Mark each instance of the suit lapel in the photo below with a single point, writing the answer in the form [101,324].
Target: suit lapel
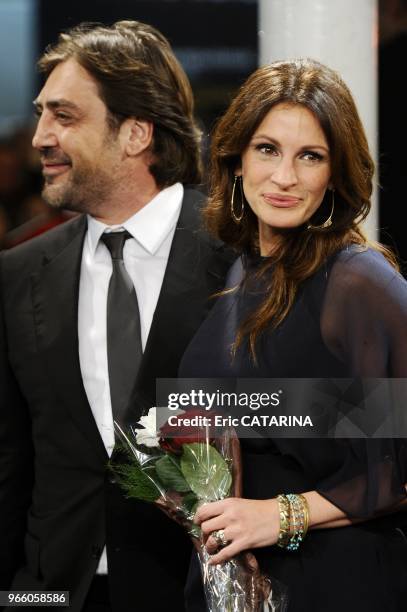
[195,271]
[55,296]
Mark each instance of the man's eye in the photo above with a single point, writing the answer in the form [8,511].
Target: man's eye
[63,116]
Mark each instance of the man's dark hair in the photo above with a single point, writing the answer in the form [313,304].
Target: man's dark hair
[138,76]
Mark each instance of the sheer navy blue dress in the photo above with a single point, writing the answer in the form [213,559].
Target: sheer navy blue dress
[349,320]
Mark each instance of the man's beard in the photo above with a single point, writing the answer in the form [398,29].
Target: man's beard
[84,190]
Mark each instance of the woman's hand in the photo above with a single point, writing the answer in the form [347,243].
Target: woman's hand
[247,523]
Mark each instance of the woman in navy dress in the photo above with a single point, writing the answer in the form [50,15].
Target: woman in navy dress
[308,297]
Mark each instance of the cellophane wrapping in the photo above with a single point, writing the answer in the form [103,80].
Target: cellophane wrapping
[179,471]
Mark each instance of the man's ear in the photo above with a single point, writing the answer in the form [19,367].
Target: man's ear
[136,136]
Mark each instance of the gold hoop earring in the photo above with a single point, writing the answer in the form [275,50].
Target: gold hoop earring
[328,222]
[237,218]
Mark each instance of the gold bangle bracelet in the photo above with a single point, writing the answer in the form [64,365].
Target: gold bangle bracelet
[284,512]
[306,514]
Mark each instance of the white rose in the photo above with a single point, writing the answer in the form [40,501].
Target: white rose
[148,436]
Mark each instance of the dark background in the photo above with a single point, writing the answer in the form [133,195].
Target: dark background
[216,41]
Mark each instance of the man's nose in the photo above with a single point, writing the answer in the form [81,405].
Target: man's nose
[44,135]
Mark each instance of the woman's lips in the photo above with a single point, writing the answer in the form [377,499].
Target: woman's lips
[280,201]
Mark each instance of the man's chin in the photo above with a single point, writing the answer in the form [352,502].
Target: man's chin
[57,198]
[53,198]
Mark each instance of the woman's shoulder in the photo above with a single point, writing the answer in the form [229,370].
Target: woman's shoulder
[358,267]
[364,313]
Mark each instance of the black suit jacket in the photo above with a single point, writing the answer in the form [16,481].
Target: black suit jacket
[59,505]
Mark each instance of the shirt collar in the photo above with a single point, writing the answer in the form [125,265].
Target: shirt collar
[150,225]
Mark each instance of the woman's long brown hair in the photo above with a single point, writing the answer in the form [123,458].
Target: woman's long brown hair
[300,252]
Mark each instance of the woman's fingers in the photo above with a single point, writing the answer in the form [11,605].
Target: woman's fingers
[208,511]
[212,525]
[226,553]
[214,541]
[245,523]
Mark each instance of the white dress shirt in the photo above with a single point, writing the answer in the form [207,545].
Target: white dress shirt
[145,258]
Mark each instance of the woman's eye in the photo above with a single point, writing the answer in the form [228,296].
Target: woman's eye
[266,148]
[312,156]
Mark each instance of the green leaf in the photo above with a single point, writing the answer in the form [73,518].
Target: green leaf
[205,471]
[137,483]
[190,503]
[169,472]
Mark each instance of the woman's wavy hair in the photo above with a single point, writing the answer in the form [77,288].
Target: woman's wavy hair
[139,76]
[300,251]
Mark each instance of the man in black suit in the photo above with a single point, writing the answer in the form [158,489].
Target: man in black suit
[118,143]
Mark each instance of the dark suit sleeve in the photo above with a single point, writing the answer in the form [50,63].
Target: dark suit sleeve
[16,459]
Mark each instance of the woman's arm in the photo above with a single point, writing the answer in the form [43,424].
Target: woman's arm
[250,523]
[324,514]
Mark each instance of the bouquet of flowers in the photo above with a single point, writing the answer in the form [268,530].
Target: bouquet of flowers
[180,470]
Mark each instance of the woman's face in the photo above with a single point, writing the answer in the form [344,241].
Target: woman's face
[285,170]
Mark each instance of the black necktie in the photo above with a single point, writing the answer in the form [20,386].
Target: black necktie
[124,349]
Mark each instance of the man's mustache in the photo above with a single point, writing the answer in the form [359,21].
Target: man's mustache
[52,156]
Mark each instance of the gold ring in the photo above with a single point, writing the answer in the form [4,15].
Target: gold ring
[219,536]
